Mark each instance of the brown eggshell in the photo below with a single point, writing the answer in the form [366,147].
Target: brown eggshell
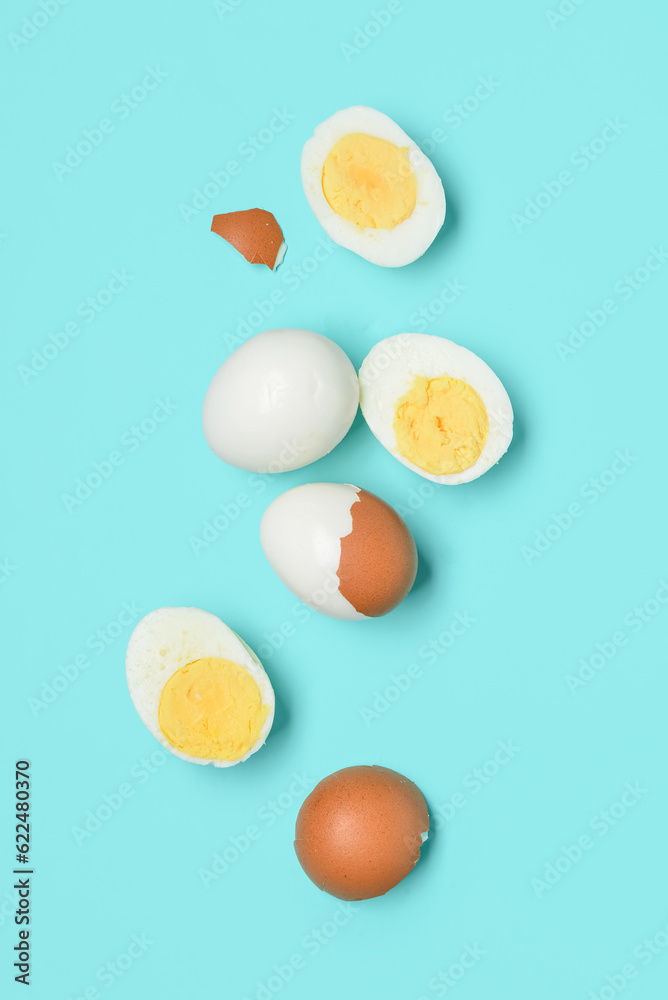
[378,558]
[360,830]
[255,233]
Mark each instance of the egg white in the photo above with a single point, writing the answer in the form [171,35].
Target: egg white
[301,534]
[169,638]
[388,372]
[283,399]
[386,247]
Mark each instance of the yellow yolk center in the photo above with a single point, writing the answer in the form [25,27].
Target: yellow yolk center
[441,425]
[212,708]
[369,181]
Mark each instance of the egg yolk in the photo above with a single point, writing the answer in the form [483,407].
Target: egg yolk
[369,181]
[212,708]
[441,425]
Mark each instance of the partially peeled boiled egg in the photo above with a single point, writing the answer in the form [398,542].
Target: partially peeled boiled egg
[198,688]
[372,188]
[436,406]
[340,549]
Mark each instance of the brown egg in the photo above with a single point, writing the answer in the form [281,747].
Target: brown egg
[378,558]
[360,831]
[255,233]
[340,549]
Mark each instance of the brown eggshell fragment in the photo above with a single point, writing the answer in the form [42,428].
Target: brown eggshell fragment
[378,558]
[360,831]
[254,233]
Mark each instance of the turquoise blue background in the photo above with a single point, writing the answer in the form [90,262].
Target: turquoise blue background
[555,82]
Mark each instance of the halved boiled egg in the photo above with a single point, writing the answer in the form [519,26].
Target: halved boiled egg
[372,188]
[198,688]
[435,406]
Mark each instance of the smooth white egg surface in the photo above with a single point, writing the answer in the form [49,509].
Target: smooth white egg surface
[282,400]
[198,687]
[301,534]
[436,406]
[372,188]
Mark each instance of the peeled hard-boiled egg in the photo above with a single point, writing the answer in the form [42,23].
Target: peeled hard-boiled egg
[282,400]
[198,688]
[372,188]
[339,549]
[360,831]
[435,406]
